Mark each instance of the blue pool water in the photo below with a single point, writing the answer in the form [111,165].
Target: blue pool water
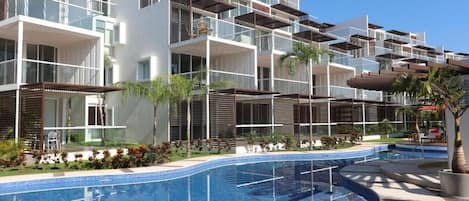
[276,180]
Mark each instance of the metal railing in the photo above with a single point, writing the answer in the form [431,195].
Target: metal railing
[208,26]
[35,71]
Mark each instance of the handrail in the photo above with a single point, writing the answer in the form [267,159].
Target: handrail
[59,64]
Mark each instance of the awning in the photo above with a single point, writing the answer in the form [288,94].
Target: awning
[314,24]
[289,10]
[415,60]
[390,56]
[214,6]
[396,32]
[374,26]
[345,46]
[302,96]
[250,92]
[315,36]
[396,41]
[259,19]
[363,37]
[423,47]
[71,87]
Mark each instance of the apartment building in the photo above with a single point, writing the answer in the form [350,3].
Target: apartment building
[52,71]
[240,42]
[59,48]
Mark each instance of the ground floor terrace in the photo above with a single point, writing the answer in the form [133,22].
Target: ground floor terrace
[51,116]
[240,114]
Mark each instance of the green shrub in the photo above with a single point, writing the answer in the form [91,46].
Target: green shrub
[11,154]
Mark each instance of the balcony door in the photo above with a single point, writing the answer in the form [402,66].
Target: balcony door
[40,67]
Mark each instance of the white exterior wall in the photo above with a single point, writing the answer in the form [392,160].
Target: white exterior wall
[147,37]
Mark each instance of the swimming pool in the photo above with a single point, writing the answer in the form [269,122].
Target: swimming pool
[256,178]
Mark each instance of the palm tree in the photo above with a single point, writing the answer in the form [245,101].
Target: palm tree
[446,87]
[413,88]
[181,90]
[155,91]
[307,55]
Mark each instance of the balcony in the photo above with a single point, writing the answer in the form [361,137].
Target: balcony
[370,95]
[35,71]
[286,86]
[351,32]
[339,92]
[77,15]
[229,79]
[208,26]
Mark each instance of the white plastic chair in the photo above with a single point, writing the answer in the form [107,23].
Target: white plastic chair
[52,138]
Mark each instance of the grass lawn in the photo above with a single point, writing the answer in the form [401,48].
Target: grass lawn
[390,140]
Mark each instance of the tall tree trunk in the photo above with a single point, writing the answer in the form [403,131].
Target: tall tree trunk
[188,129]
[309,68]
[101,117]
[458,163]
[155,124]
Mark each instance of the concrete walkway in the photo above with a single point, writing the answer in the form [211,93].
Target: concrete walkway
[162,167]
[399,180]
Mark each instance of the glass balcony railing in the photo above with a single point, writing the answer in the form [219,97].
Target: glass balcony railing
[290,86]
[348,31]
[225,78]
[207,26]
[363,64]
[74,13]
[281,43]
[8,72]
[335,91]
[35,71]
[405,39]
[371,95]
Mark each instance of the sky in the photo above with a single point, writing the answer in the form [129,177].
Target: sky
[446,22]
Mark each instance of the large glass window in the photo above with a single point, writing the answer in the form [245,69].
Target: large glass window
[143,70]
[94,116]
[40,70]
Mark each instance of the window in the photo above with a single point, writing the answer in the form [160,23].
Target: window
[109,78]
[143,70]
[145,3]
[94,116]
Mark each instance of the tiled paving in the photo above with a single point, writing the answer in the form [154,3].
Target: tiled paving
[398,180]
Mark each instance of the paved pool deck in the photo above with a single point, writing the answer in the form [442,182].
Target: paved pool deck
[400,180]
[164,167]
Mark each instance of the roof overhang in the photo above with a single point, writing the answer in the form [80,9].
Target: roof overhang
[390,56]
[396,32]
[71,87]
[396,41]
[315,36]
[289,10]
[374,26]
[345,46]
[214,6]
[362,37]
[423,47]
[259,19]
[250,92]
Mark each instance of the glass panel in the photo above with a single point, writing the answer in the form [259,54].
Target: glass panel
[174,25]
[185,25]
[52,11]
[36,8]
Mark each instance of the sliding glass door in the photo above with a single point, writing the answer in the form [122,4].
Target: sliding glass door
[42,68]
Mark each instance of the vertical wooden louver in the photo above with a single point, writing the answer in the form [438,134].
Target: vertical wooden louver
[7,114]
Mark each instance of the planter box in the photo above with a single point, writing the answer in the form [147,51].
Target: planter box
[454,184]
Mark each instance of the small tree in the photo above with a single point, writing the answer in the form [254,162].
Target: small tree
[181,90]
[154,91]
[446,87]
[306,55]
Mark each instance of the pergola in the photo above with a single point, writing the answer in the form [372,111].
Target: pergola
[32,106]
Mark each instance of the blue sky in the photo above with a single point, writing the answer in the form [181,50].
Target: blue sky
[446,22]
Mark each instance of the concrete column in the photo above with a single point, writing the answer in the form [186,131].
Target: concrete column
[19,75]
[207,96]
[329,129]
